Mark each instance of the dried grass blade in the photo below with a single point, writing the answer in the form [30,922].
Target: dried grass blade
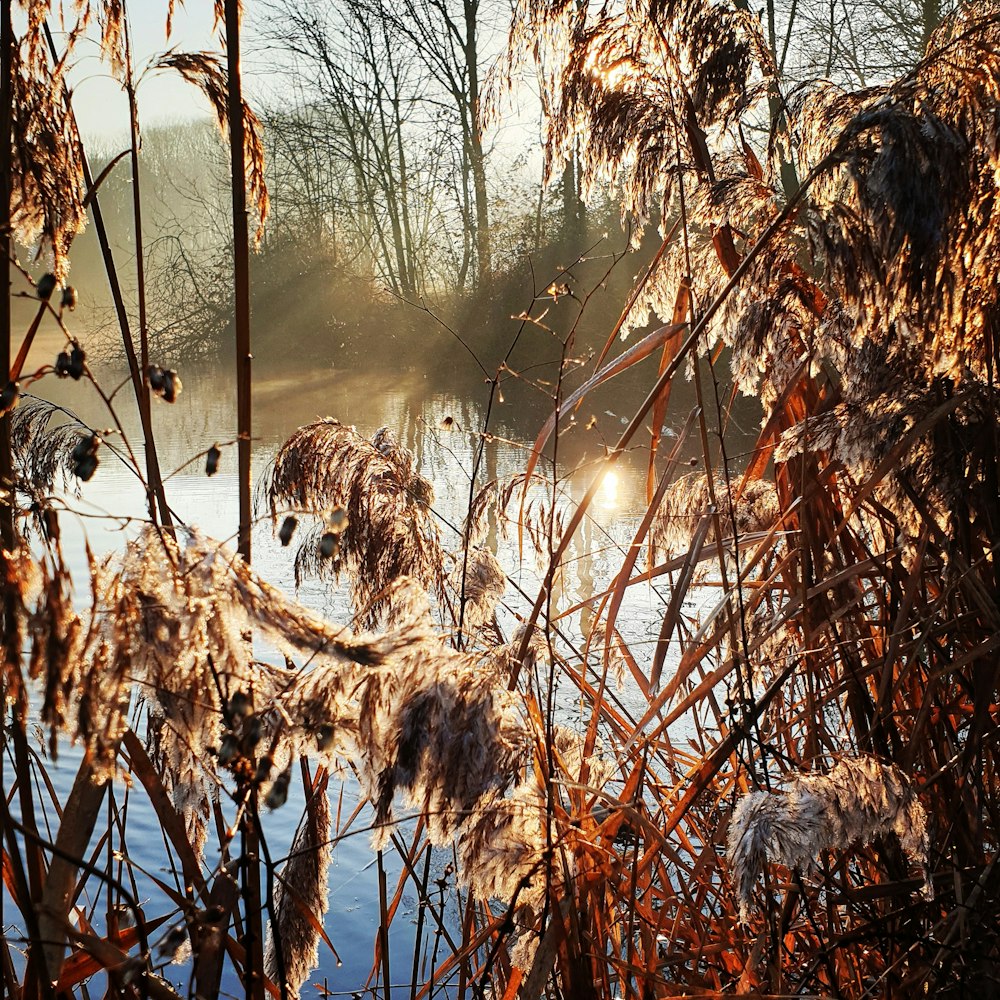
[79,819]
[307,914]
[913,582]
[617,720]
[703,774]
[768,436]
[95,183]
[10,985]
[545,959]
[29,338]
[10,881]
[677,599]
[82,964]
[238,955]
[210,953]
[890,463]
[513,984]
[635,293]
[461,954]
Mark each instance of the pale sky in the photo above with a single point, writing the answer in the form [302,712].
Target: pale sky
[100,103]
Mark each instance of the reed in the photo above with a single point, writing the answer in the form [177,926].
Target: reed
[806,802]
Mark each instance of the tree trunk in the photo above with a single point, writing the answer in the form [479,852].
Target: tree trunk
[930,18]
[477,162]
[574,211]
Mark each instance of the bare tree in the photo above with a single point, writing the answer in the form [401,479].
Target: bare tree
[392,91]
[854,44]
[446,36]
[368,86]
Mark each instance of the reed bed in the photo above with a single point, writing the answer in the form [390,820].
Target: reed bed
[806,802]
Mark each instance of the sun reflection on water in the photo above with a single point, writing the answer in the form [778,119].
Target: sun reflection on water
[609,489]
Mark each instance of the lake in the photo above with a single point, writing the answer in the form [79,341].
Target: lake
[444,430]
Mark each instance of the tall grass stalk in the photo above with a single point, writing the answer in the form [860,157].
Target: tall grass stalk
[241,270]
[6,244]
[155,494]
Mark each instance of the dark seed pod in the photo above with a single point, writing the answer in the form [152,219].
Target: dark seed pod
[213,915]
[130,970]
[172,941]
[239,705]
[277,795]
[77,356]
[84,457]
[336,520]
[329,545]
[46,286]
[264,766]
[288,527]
[171,386]
[212,460]
[228,749]
[9,397]
[87,445]
[84,469]
[165,383]
[252,731]
[69,298]
[124,916]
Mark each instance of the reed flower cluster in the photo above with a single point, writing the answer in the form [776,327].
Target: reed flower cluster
[301,897]
[858,800]
[480,578]
[688,500]
[523,507]
[390,532]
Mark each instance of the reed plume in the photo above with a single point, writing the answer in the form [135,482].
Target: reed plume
[205,70]
[43,437]
[177,622]
[536,516]
[301,896]
[389,532]
[424,723]
[688,500]
[482,581]
[857,801]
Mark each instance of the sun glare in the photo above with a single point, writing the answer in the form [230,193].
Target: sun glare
[609,489]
